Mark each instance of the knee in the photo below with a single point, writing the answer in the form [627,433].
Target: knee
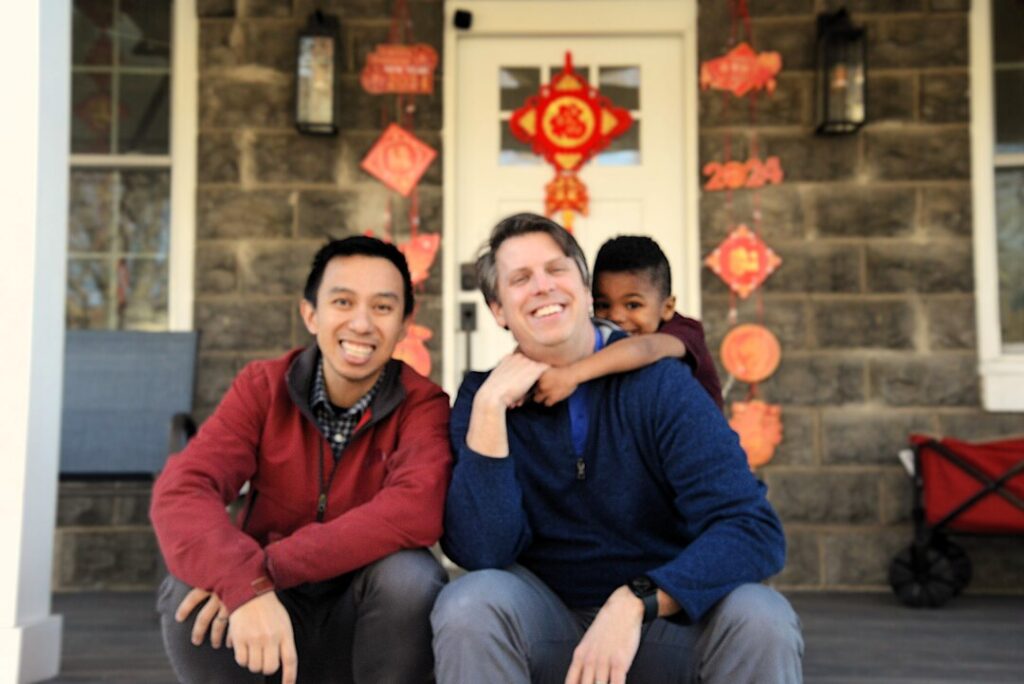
[467,603]
[758,612]
[410,577]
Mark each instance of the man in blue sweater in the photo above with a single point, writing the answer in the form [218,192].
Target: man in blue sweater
[619,531]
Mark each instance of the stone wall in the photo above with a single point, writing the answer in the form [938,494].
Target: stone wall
[873,303]
[268,197]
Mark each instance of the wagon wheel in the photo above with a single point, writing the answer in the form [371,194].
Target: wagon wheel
[957,559]
[928,583]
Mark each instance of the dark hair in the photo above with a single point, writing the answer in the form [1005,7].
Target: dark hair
[635,254]
[514,226]
[358,245]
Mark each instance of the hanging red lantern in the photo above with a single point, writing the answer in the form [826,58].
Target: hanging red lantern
[750,352]
[568,194]
[759,426]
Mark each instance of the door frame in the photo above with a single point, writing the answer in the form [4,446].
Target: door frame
[496,18]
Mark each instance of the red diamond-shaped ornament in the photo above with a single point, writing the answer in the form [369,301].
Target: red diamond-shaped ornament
[743,261]
[398,159]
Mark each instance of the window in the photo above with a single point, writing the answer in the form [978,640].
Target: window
[119,217]
[997,132]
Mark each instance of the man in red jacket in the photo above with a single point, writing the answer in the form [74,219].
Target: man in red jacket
[347,456]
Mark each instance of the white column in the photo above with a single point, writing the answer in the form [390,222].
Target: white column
[35,61]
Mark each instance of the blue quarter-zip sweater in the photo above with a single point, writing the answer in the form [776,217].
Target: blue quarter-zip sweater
[664,489]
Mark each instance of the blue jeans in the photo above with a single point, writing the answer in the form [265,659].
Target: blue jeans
[507,626]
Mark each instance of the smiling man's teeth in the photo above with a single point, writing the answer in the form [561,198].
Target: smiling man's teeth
[547,310]
[356,349]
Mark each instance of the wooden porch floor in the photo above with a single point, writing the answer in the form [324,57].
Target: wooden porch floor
[850,639]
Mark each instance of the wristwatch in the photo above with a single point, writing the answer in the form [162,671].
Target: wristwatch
[644,588]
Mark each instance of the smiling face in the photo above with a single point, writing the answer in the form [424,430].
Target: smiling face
[631,300]
[542,299]
[357,322]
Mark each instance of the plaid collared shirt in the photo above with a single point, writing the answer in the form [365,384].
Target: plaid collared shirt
[337,424]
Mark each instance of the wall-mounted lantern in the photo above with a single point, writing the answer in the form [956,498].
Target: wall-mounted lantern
[316,80]
[842,74]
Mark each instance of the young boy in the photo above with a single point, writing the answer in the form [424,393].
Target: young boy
[632,289]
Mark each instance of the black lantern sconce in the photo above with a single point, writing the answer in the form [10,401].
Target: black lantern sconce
[842,75]
[316,79]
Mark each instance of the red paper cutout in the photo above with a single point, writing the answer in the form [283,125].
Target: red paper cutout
[398,159]
[743,261]
[420,251]
[568,122]
[741,70]
[759,426]
[568,194]
[407,69]
[412,350]
[750,352]
[733,175]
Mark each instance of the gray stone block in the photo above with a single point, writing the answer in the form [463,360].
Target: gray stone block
[215,373]
[264,100]
[799,439]
[773,8]
[294,158]
[227,213]
[946,211]
[782,213]
[946,380]
[807,157]
[216,270]
[859,211]
[981,426]
[945,98]
[793,39]
[951,322]
[805,380]
[790,104]
[267,8]
[924,155]
[998,563]
[803,564]
[864,324]
[824,497]
[115,559]
[870,6]
[277,268]
[362,38]
[713,146]
[869,437]
[918,42]
[816,267]
[329,213]
[244,326]
[890,98]
[344,9]
[219,158]
[360,109]
[272,44]
[220,45]
[908,267]
[84,508]
[950,5]
[786,318]
[103,503]
[897,492]
[861,558]
[206,9]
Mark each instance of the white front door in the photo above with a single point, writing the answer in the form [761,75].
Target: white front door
[639,185]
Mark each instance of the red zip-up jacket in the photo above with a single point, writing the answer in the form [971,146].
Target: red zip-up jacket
[306,519]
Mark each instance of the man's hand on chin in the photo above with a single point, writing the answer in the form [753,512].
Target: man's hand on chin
[606,651]
[260,632]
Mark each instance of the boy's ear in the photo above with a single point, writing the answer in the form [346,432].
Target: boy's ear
[668,308]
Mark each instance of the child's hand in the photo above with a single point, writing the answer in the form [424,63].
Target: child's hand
[554,385]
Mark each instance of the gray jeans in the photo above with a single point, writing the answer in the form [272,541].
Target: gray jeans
[507,626]
[371,627]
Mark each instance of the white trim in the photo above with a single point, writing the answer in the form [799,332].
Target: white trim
[184,146]
[560,17]
[141,161]
[1002,373]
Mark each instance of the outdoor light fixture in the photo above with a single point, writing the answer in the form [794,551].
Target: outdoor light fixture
[842,74]
[316,82]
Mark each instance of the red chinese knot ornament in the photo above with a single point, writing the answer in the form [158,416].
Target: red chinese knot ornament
[743,261]
[741,70]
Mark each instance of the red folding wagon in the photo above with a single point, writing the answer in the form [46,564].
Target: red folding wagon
[961,488]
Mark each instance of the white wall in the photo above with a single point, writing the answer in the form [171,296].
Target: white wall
[35,60]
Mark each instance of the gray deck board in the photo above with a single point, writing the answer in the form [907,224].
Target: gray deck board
[849,639]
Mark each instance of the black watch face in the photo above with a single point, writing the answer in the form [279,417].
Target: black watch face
[642,586]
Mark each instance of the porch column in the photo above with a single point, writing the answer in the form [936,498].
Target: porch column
[35,65]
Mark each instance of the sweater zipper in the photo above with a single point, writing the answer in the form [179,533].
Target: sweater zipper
[321,501]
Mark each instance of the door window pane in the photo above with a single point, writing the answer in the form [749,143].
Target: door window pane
[515,152]
[145,114]
[621,85]
[1009,96]
[1007,20]
[1010,237]
[516,84]
[623,150]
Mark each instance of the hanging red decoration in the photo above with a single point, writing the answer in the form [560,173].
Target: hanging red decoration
[568,194]
[398,68]
[759,426]
[750,352]
[412,350]
[743,261]
[398,159]
[420,252]
[741,70]
[733,175]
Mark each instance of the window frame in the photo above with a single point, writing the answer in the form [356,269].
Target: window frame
[1001,370]
[181,161]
